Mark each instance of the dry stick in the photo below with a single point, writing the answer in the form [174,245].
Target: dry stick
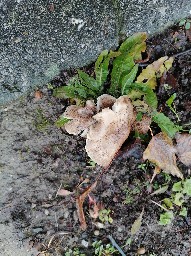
[160,205]
[116,245]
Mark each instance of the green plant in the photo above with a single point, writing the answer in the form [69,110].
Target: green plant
[186,23]
[103,250]
[74,252]
[181,192]
[104,216]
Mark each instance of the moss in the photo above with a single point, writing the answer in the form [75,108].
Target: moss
[41,122]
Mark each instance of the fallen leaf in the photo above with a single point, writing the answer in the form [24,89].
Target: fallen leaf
[183,148]
[137,224]
[64,192]
[111,128]
[79,205]
[154,71]
[161,152]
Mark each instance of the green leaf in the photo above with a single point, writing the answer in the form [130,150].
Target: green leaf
[178,199]
[187,25]
[177,187]
[166,125]
[171,100]
[129,44]
[182,22]
[88,81]
[187,187]
[61,121]
[168,203]
[128,79]
[101,66]
[183,212]
[166,218]
[149,95]
[160,190]
[122,65]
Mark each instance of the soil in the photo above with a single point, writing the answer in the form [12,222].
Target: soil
[38,159]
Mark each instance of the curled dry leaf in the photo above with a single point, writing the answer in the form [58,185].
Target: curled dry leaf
[161,152]
[154,70]
[137,224]
[183,148]
[142,126]
[112,127]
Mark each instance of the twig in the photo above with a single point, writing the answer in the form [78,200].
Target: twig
[116,245]
[160,205]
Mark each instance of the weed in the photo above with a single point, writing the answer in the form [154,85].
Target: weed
[186,23]
[175,204]
[74,252]
[103,250]
[104,216]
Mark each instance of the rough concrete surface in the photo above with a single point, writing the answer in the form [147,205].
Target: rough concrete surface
[39,38]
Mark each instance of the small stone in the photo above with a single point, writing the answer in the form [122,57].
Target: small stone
[96,232]
[46,212]
[141,251]
[99,225]
[85,243]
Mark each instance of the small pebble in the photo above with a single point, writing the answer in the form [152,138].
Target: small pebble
[99,225]
[46,212]
[85,243]
[96,232]
[141,251]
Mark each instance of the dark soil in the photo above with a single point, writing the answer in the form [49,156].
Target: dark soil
[39,158]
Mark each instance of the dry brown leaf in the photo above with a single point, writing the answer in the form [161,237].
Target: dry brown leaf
[154,70]
[79,205]
[137,224]
[183,148]
[64,192]
[161,152]
[112,127]
[142,126]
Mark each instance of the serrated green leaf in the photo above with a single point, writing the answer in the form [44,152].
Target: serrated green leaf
[187,187]
[183,212]
[61,121]
[102,64]
[166,218]
[128,79]
[149,95]
[168,203]
[132,41]
[121,65]
[88,81]
[166,125]
[177,187]
[130,51]
[178,199]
